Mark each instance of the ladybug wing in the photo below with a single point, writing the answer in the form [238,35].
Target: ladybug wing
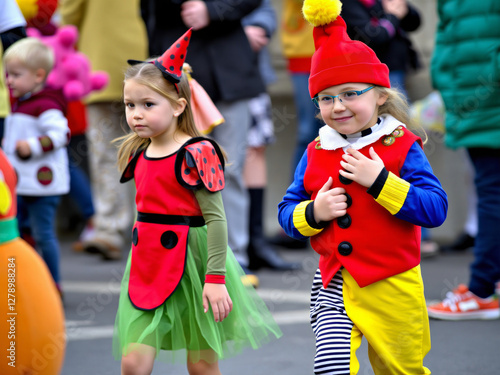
[201,164]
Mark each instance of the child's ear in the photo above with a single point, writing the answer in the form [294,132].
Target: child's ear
[180,107]
[40,75]
[382,98]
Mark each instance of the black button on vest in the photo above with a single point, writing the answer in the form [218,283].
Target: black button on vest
[344,222]
[345,248]
[135,237]
[349,200]
[344,180]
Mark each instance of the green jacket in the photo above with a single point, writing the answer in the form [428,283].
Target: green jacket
[465,68]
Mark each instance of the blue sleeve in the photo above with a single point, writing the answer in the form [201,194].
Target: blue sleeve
[295,194]
[426,203]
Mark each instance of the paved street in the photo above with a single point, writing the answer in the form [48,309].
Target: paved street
[91,296]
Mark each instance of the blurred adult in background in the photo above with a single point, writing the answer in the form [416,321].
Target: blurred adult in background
[259,27]
[226,67]
[465,69]
[110,31]
[384,26]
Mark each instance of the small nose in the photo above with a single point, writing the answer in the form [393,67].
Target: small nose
[137,113]
[338,105]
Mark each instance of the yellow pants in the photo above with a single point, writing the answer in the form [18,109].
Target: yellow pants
[392,315]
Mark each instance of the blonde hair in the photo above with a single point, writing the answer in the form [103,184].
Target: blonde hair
[150,76]
[397,106]
[32,53]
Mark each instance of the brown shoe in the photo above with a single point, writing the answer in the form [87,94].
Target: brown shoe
[108,251]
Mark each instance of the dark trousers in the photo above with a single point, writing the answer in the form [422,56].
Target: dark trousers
[485,270]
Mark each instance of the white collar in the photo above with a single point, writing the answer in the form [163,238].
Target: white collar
[331,140]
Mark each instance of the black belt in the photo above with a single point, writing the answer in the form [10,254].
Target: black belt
[192,221]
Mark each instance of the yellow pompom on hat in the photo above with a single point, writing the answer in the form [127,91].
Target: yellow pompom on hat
[338,59]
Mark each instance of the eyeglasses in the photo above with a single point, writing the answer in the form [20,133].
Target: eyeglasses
[326,101]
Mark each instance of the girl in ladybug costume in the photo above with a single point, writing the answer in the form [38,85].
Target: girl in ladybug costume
[180,266]
[361,192]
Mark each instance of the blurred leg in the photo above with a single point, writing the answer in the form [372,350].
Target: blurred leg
[42,212]
[485,270]
[232,137]
[113,201]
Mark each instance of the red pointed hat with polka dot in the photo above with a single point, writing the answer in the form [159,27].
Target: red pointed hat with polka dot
[170,63]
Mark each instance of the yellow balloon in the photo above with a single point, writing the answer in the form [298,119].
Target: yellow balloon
[5,198]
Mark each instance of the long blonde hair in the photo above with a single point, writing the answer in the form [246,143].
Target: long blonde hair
[150,76]
[397,106]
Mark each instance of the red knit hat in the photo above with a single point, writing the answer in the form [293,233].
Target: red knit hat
[170,63]
[338,59]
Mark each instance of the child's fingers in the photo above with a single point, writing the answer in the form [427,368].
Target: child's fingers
[205,303]
[215,309]
[326,186]
[227,308]
[374,155]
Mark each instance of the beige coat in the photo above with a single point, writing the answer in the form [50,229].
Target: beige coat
[111,31]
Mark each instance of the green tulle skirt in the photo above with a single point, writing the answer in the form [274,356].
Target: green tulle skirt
[179,330]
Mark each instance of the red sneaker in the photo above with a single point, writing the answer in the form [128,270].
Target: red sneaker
[462,304]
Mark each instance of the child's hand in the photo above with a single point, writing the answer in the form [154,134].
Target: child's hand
[361,169]
[23,149]
[217,296]
[329,203]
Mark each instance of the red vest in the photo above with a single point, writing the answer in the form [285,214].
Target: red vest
[370,243]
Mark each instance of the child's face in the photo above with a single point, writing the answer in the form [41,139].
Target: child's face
[21,79]
[356,112]
[149,114]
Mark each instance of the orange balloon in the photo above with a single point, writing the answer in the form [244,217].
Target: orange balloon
[32,332]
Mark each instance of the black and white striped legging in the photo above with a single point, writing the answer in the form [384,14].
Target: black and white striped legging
[331,326]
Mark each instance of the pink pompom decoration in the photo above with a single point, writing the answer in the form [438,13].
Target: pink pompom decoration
[72,71]
[73,90]
[99,80]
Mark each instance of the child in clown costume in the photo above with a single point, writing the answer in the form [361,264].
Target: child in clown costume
[180,266]
[361,192]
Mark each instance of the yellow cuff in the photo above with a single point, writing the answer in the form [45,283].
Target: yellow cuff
[393,194]
[300,222]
